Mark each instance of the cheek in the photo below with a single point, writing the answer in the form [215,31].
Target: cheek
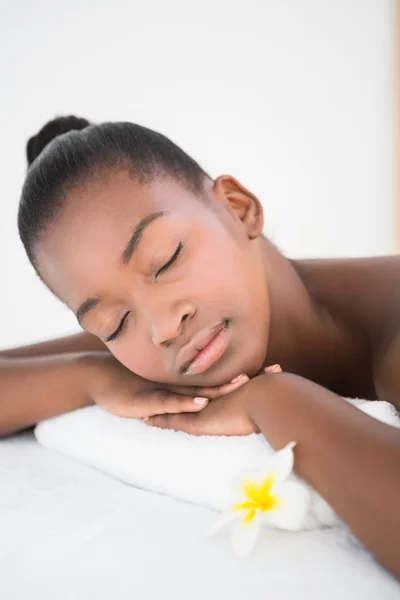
[216,270]
[145,362]
[225,274]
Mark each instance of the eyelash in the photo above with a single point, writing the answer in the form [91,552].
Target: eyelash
[173,258]
[116,333]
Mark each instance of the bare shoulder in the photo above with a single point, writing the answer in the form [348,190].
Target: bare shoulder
[367,293]
[366,290]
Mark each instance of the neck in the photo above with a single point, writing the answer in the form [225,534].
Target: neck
[301,330]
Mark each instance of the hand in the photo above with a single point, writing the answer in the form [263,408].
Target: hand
[223,416]
[212,393]
[121,392]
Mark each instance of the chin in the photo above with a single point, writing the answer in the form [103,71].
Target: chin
[254,363]
[225,373]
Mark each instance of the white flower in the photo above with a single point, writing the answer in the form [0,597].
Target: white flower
[266,499]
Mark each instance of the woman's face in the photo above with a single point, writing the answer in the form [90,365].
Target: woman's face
[192,274]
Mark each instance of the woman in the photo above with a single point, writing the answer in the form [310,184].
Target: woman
[169,269]
[50,378]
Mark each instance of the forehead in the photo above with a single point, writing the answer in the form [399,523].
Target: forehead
[97,221]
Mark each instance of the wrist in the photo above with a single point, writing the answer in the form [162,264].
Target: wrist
[103,375]
[90,375]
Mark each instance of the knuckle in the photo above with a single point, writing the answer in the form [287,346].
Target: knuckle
[163,398]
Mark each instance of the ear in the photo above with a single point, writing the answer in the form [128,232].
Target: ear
[242,203]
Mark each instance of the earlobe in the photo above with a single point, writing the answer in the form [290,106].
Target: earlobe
[241,203]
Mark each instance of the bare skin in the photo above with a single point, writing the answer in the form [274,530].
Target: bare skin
[332,325]
[78,342]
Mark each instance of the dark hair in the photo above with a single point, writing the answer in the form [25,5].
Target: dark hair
[72,159]
[52,129]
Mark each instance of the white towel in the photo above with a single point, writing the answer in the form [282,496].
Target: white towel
[200,470]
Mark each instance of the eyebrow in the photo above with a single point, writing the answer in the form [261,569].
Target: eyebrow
[137,234]
[85,307]
[126,256]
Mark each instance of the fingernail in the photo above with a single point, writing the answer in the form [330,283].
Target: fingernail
[200,400]
[239,378]
[273,369]
[146,419]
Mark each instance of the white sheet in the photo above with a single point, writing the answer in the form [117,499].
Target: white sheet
[69,532]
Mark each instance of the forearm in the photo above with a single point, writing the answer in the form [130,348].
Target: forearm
[351,459]
[80,342]
[34,389]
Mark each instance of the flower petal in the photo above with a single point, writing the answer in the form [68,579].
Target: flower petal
[281,463]
[292,508]
[250,490]
[249,517]
[225,519]
[253,473]
[245,534]
[246,505]
[265,486]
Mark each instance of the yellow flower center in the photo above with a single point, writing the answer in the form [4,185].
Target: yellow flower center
[257,498]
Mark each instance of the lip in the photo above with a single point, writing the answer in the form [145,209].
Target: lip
[204,350]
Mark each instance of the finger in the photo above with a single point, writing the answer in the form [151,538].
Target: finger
[214,392]
[224,389]
[159,403]
[185,390]
[182,422]
[273,369]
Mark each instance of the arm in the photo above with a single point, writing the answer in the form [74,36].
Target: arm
[34,389]
[351,459]
[80,342]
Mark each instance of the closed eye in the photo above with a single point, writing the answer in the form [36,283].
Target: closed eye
[171,260]
[116,333]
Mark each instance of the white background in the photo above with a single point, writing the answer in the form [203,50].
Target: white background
[293,97]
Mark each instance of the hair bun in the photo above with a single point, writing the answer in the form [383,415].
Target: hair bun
[51,130]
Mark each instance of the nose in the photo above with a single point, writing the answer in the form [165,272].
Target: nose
[166,327]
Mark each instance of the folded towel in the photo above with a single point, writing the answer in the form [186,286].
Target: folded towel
[200,470]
